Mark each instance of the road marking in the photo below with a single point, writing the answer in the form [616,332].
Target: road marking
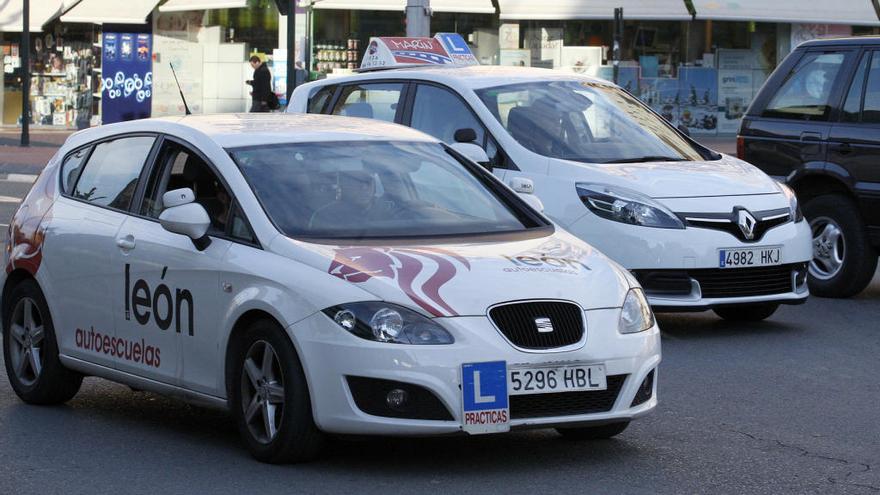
[28,178]
[9,199]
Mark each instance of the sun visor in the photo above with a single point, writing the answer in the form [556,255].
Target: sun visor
[442,49]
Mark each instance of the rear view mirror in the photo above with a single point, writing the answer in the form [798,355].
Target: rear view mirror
[182,216]
[471,151]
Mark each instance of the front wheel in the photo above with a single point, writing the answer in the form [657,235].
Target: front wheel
[270,398]
[30,350]
[843,261]
[749,312]
[593,432]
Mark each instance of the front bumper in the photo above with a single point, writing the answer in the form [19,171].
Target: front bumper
[330,354]
[646,250]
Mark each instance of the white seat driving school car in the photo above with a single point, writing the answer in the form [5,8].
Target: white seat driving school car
[316,275]
[700,230]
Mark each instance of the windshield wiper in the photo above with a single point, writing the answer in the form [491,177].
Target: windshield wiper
[649,158]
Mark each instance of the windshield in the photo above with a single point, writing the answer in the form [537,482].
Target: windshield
[355,190]
[585,121]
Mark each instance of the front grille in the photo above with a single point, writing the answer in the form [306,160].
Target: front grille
[718,282]
[737,282]
[519,322]
[566,403]
[727,222]
[369,395]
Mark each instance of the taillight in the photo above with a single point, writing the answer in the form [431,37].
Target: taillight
[741,147]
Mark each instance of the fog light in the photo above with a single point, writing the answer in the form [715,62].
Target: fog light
[396,398]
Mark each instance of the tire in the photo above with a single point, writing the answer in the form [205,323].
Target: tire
[277,390]
[843,261]
[593,432]
[30,349]
[747,312]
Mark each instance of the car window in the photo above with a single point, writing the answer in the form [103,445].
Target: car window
[370,101]
[178,168]
[871,111]
[319,100]
[440,113]
[239,228]
[806,91]
[71,169]
[111,174]
[852,106]
[357,190]
[585,121]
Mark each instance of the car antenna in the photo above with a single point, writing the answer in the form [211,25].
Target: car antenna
[185,106]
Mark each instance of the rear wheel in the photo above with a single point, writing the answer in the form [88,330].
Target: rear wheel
[30,350]
[843,261]
[749,312]
[593,432]
[270,398]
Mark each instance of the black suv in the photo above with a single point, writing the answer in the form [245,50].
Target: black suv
[815,124]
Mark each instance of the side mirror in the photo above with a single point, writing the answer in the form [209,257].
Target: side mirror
[182,216]
[472,152]
[525,188]
[684,130]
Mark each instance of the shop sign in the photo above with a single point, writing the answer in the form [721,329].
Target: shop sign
[392,51]
[127,69]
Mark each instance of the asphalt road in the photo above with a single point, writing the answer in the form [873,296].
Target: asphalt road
[788,406]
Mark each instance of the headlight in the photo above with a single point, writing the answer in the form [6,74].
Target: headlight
[796,213]
[636,315]
[383,322]
[623,205]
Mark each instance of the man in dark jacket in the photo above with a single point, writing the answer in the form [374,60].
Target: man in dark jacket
[261,85]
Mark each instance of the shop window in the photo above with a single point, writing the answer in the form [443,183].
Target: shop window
[806,91]
[111,174]
[852,107]
[871,112]
[370,101]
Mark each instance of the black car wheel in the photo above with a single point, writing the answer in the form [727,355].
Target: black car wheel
[843,261]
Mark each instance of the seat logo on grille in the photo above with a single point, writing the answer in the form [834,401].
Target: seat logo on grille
[543,324]
[746,223]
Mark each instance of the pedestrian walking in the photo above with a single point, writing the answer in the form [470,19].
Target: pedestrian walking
[261,84]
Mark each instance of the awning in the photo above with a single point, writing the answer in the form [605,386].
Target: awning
[110,11]
[454,6]
[852,12]
[179,5]
[42,11]
[642,10]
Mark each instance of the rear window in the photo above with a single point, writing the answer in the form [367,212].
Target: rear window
[111,174]
[806,92]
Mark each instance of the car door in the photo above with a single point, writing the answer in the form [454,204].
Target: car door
[438,111]
[854,144]
[98,184]
[171,289]
[792,125]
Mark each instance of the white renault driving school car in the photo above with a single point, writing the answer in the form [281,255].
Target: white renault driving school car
[316,275]
[700,230]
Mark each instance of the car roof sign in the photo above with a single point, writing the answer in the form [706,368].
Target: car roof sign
[445,49]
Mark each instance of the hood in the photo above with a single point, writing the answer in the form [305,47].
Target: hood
[727,176]
[468,278]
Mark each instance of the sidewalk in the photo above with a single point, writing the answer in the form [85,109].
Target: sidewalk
[17,160]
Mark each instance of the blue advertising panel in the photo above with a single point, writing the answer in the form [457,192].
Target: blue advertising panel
[127,69]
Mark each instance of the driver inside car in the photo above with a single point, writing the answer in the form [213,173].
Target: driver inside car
[355,201]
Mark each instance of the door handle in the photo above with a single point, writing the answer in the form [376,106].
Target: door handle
[811,136]
[843,149]
[126,243]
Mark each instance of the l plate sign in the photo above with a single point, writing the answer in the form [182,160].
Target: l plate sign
[484,397]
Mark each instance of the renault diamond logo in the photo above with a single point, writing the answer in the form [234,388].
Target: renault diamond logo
[544,325]
[746,223]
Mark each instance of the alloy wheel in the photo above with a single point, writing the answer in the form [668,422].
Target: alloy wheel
[829,248]
[262,391]
[26,344]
